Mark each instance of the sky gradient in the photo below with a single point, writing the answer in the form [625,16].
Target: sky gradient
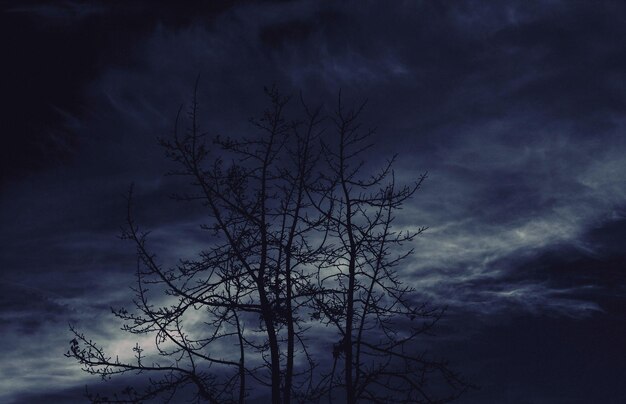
[517,110]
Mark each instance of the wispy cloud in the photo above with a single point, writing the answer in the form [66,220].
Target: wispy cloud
[515,109]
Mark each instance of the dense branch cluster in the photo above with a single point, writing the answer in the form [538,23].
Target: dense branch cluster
[297,288]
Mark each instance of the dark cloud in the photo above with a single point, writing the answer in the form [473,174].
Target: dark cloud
[544,359]
[55,50]
[515,109]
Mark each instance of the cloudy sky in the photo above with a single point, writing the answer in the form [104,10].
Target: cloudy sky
[517,110]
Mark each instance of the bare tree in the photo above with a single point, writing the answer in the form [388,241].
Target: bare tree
[254,274]
[298,239]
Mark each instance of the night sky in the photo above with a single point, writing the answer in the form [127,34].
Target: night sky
[517,110]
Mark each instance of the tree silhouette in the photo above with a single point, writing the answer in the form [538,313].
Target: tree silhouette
[299,244]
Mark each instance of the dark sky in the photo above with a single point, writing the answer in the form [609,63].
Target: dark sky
[516,109]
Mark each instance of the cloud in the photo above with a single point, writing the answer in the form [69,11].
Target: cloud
[514,108]
[494,202]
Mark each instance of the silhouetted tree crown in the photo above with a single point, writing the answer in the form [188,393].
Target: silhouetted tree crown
[298,289]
